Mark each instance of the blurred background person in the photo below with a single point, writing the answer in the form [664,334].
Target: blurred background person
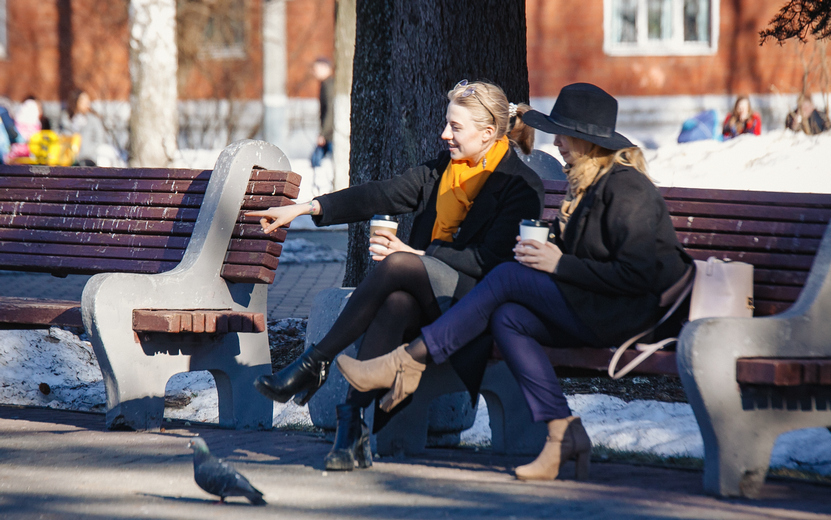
[806,118]
[79,118]
[742,120]
[324,73]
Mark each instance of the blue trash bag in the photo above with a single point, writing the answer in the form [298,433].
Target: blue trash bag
[703,126]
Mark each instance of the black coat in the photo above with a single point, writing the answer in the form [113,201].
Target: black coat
[486,236]
[620,254]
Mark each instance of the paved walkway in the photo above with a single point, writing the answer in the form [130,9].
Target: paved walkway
[63,465]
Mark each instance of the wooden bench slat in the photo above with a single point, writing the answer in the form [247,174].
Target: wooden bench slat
[186,200]
[273,189]
[247,273]
[761,212]
[252,202]
[32,311]
[771,198]
[783,371]
[779,277]
[769,308]
[749,242]
[177,321]
[86,265]
[749,197]
[102,185]
[94,172]
[97,251]
[96,211]
[776,293]
[761,260]
[255,232]
[248,258]
[276,176]
[103,225]
[256,246]
[598,359]
[747,227]
[74,237]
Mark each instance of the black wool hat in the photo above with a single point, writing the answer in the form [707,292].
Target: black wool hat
[584,111]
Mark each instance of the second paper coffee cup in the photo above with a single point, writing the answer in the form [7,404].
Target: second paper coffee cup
[534,230]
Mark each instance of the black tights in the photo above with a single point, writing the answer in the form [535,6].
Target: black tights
[389,307]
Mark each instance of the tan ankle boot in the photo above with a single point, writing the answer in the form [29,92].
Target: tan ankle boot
[396,370]
[567,439]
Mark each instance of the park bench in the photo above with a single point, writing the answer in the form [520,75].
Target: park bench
[180,276]
[780,234]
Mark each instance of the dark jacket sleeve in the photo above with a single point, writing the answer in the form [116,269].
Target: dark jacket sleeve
[521,199]
[630,225]
[394,196]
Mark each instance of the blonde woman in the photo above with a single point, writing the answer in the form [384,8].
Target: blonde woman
[596,284]
[466,203]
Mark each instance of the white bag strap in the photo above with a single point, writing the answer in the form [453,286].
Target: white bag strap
[650,348]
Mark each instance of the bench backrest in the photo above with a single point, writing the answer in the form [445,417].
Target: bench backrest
[779,233]
[77,220]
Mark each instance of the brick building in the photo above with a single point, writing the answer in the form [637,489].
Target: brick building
[664,59]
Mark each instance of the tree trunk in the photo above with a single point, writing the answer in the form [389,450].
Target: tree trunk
[153,62]
[408,54]
[275,71]
[344,56]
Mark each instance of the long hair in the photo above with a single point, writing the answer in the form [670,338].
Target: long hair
[597,161]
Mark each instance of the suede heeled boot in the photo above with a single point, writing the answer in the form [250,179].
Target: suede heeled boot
[351,441]
[567,439]
[397,371]
[302,378]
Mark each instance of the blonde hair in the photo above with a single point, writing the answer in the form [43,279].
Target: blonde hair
[488,106]
[597,161]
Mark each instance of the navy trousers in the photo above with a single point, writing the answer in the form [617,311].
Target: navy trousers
[524,309]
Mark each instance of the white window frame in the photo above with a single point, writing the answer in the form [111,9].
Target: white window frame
[4,31]
[676,46]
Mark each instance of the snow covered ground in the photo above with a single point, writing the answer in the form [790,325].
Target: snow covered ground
[57,369]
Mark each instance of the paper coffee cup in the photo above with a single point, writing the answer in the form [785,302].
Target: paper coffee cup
[534,230]
[385,222]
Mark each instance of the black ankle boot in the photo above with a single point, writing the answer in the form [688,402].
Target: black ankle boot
[302,378]
[351,440]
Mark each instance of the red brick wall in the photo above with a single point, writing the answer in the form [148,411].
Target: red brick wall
[311,33]
[31,66]
[565,45]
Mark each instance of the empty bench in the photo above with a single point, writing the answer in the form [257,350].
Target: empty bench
[181,275]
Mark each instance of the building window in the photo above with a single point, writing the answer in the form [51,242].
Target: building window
[660,27]
[214,28]
[4,35]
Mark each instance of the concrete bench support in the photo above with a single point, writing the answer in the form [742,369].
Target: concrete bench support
[136,367]
[738,439]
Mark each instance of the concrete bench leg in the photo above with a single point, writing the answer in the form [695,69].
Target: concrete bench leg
[406,432]
[397,436]
[136,368]
[513,431]
[738,439]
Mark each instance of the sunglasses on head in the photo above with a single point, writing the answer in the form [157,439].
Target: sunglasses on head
[471,91]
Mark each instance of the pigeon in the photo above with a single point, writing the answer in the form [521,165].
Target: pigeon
[220,478]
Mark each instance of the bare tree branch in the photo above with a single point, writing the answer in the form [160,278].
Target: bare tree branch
[799,19]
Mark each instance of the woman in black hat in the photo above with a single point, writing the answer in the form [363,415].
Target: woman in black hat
[598,282]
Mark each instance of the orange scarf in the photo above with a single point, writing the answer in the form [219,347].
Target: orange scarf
[460,183]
